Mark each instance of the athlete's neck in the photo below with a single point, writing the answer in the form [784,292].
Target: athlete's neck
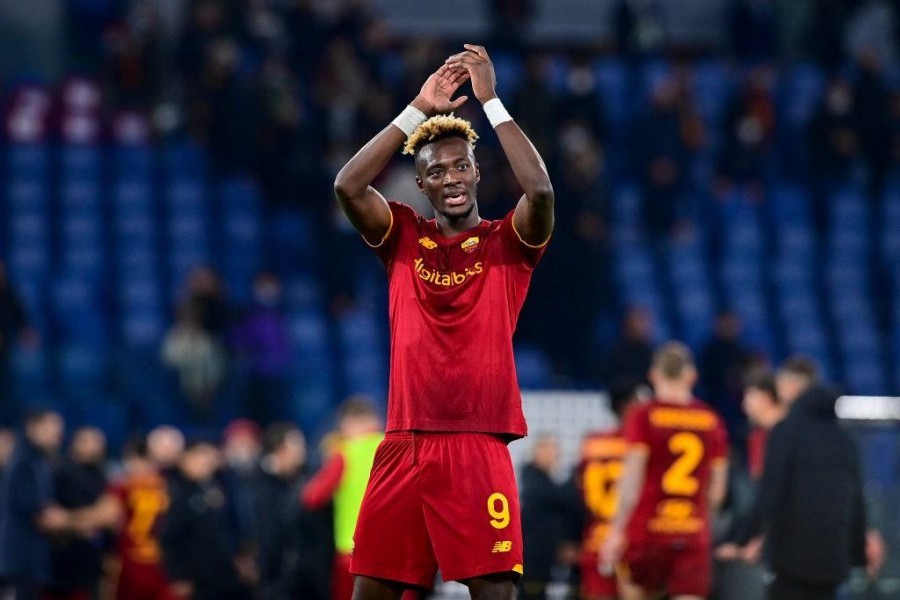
[674,394]
[450,226]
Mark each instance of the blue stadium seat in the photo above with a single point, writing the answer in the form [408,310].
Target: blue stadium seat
[184,158]
[186,196]
[132,195]
[80,162]
[615,93]
[79,196]
[28,160]
[800,92]
[28,195]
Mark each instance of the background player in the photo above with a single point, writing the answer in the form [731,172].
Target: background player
[599,470]
[442,490]
[674,478]
[132,507]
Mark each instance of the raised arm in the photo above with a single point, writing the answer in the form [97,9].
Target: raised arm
[533,218]
[367,209]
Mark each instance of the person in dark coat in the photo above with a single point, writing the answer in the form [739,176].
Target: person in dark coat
[810,501]
[546,516]
[28,512]
[77,561]
[14,327]
[198,550]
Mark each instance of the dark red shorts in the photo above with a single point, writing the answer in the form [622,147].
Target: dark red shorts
[439,500]
[657,567]
[138,581]
[593,583]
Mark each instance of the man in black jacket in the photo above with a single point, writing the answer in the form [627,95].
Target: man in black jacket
[77,559]
[810,500]
[198,549]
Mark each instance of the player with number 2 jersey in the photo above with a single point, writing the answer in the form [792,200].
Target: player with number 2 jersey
[674,477]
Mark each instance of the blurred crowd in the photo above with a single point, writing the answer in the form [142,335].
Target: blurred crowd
[242,515]
[288,89]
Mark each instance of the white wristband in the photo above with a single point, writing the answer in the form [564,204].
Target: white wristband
[409,119]
[496,112]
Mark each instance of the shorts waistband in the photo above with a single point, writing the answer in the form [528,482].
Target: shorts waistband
[417,434]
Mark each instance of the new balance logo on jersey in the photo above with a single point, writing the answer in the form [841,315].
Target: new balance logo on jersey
[428,243]
[502,547]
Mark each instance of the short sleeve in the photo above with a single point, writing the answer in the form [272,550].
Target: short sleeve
[402,218]
[636,429]
[526,254]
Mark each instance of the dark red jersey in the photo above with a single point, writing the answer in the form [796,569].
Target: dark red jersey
[144,499]
[682,442]
[598,473]
[454,304]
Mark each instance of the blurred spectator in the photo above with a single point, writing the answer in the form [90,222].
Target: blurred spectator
[262,344]
[343,478]
[510,21]
[872,103]
[810,502]
[277,515]
[241,450]
[629,359]
[764,410]
[206,297]
[835,144]
[29,514]
[723,361]
[638,27]
[199,359]
[77,559]
[547,509]
[581,237]
[535,104]
[664,142]
[13,327]
[750,134]
[827,32]
[197,547]
[580,102]
[165,443]
[871,31]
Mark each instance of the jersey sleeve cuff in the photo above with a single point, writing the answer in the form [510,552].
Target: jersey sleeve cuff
[512,223]
[384,238]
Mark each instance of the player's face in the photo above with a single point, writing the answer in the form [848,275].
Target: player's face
[448,175]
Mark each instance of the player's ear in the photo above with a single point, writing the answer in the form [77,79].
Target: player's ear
[420,184]
[477,173]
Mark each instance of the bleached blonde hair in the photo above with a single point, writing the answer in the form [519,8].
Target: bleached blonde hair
[440,127]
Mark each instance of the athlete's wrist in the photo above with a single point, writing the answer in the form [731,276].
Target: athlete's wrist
[409,119]
[422,105]
[496,112]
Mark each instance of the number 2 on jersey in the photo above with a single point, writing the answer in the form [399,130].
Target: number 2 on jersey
[679,479]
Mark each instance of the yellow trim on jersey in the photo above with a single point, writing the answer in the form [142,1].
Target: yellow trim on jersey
[539,246]
[640,447]
[519,569]
[386,233]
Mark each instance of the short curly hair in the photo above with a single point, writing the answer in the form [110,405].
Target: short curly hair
[437,128]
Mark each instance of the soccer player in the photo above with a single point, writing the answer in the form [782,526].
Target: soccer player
[442,492]
[598,473]
[674,478]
